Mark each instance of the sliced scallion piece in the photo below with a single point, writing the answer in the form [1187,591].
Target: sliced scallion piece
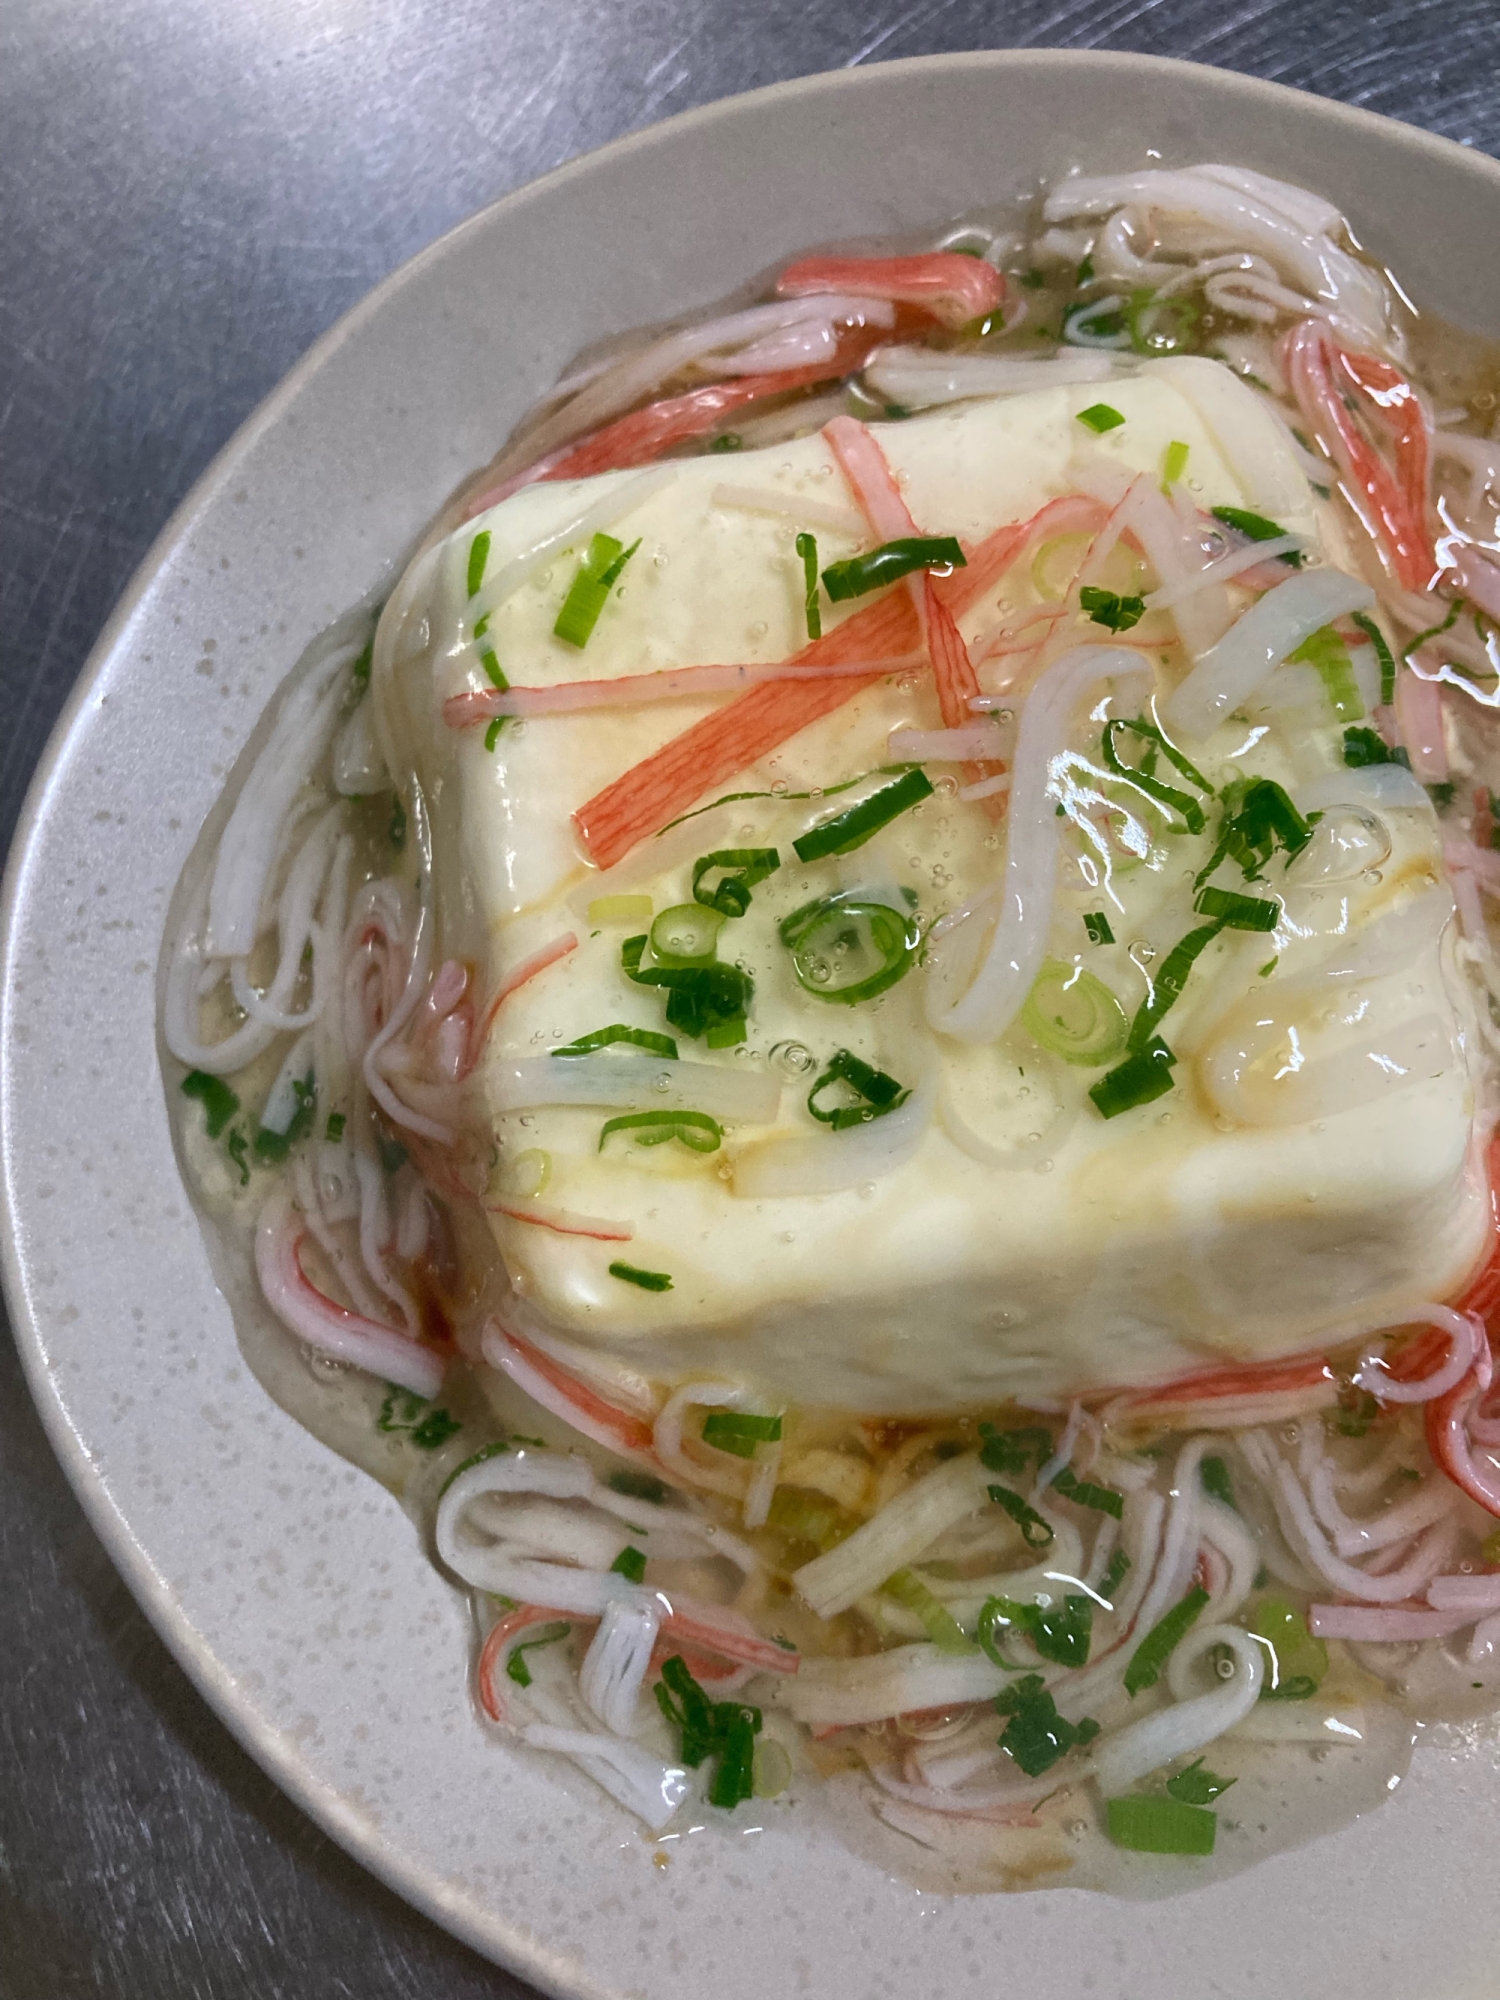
[213,1093]
[938,1622]
[1143,1669]
[1163,326]
[1109,609]
[632,1274]
[1036,1736]
[740,1431]
[807,548]
[1259,529]
[875,1092]
[1325,652]
[616,1033]
[588,594]
[1173,464]
[1170,980]
[1156,788]
[1072,1014]
[479,555]
[1084,1493]
[846,949]
[742,869]
[709,1000]
[1364,746]
[857,824]
[630,1563]
[1296,1662]
[1383,653]
[1140,1079]
[1101,417]
[1214,1473]
[686,934]
[1161,1826]
[1259,819]
[545,1635]
[1197,1787]
[693,1129]
[890,562]
[1096,923]
[1236,912]
[1036,1532]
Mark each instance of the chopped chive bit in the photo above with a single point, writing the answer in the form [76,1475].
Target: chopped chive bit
[360,671]
[1197,1787]
[1364,746]
[723,1729]
[727,441]
[544,1635]
[617,1032]
[874,1093]
[1173,463]
[1383,654]
[853,827]
[1145,1664]
[1084,1493]
[1036,1532]
[1325,652]
[588,593]
[649,1281]
[218,1100]
[1161,1826]
[492,734]
[1097,925]
[1109,609]
[1259,529]
[740,1431]
[334,1130]
[807,548]
[1237,912]
[479,555]
[1101,417]
[1140,1079]
[937,1621]
[1214,1473]
[1036,1736]
[741,870]
[630,1563]
[693,1129]
[890,562]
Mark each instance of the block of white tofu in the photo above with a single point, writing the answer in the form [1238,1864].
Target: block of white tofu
[1275,1198]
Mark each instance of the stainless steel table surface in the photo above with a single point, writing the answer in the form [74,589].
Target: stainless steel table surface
[189,194]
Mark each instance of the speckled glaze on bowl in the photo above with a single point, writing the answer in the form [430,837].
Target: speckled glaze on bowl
[291,1587]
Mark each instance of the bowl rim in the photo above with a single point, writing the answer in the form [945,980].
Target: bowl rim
[496,1938]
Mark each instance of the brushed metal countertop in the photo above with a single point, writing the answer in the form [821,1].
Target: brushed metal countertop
[189,195]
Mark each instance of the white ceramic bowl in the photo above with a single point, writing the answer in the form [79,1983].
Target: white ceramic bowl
[291,1587]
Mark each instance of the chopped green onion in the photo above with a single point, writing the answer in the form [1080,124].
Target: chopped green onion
[1095,323]
[271,1145]
[1197,1787]
[547,1635]
[333,1131]
[727,441]
[1169,982]
[710,1001]
[1163,326]
[359,673]
[890,562]
[1173,463]
[1141,776]
[235,1146]
[588,594]
[1101,417]
[1325,652]
[393,1155]
[1214,1473]
[1140,1079]
[810,1517]
[744,868]
[1433,631]
[617,1032]
[620,910]
[740,1431]
[1036,1735]
[1150,1656]
[638,1486]
[1013,1451]
[1035,1531]
[1363,747]
[723,1729]
[1061,1633]
[1259,529]
[1109,609]
[479,555]
[1097,925]
[1114,1575]
[1296,1660]
[693,1129]
[686,934]
[1072,1014]
[1383,653]
[1035,280]
[1084,275]
[492,734]
[1259,818]
[218,1100]
[1161,1826]
[649,1281]
[492,668]
[771,1769]
[1269,967]
[1236,912]
[630,1563]
[938,1622]
[857,824]
[846,949]
[807,548]
[875,1092]
[1084,1493]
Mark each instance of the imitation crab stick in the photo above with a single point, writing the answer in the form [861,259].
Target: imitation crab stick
[669,781]
[952,287]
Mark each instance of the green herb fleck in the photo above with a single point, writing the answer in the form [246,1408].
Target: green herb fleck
[1197,1787]
[1036,1736]
[630,1563]
[1150,1656]
[1096,923]
[807,548]
[218,1100]
[649,1281]
[1101,417]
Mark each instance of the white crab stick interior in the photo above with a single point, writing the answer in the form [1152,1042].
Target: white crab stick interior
[1312,1167]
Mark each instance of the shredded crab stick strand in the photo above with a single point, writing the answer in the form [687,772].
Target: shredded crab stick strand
[466,711]
[1467,1348]
[865,467]
[953,288]
[561,1221]
[527,970]
[1394,512]
[675,777]
[551,1385]
[1452,1447]
[331,1328]
[1382,1624]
